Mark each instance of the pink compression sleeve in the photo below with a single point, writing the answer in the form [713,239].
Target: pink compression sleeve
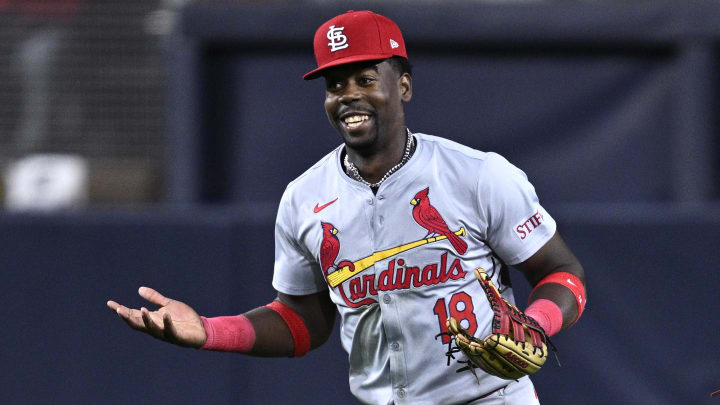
[547,314]
[229,334]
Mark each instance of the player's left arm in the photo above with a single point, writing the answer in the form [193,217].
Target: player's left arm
[548,263]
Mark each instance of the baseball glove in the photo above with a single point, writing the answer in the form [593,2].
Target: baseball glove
[517,345]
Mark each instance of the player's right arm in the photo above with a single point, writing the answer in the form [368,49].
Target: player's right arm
[273,337]
[178,323]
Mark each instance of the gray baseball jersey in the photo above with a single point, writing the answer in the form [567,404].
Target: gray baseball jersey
[400,262]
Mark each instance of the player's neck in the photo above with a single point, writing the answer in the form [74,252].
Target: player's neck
[374,165]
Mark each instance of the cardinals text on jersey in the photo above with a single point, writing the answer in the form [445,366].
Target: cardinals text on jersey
[398,274]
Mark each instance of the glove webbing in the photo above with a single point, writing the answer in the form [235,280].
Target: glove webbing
[506,314]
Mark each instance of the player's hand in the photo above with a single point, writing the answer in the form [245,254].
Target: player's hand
[173,322]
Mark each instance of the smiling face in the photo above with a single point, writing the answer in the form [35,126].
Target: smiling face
[364,102]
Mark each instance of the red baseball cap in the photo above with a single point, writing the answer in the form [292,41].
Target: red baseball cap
[355,36]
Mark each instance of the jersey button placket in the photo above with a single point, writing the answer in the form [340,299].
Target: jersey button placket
[390,314]
[369,208]
[391,325]
[380,217]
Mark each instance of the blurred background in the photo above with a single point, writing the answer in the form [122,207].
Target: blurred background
[147,142]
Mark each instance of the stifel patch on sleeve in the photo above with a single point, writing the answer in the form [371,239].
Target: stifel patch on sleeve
[525,228]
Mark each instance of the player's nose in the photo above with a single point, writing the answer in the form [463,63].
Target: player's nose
[350,93]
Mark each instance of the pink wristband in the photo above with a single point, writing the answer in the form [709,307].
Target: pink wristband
[572,283]
[547,313]
[229,334]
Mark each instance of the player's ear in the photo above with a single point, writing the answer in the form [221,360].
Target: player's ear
[405,83]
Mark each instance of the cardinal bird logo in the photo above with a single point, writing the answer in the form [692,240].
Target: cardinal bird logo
[429,218]
[329,248]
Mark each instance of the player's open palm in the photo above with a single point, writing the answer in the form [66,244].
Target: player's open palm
[174,321]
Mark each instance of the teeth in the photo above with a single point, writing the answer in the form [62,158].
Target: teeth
[355,119]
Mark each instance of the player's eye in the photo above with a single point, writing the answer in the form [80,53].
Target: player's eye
[333,85]
[366,80]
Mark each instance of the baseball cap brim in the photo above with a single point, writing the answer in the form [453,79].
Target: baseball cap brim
[314,74]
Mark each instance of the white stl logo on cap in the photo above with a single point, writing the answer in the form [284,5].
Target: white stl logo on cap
[338,40]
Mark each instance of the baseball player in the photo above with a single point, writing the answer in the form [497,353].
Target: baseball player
[387,230]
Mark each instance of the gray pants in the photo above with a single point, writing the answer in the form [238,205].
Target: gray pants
[520,392]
